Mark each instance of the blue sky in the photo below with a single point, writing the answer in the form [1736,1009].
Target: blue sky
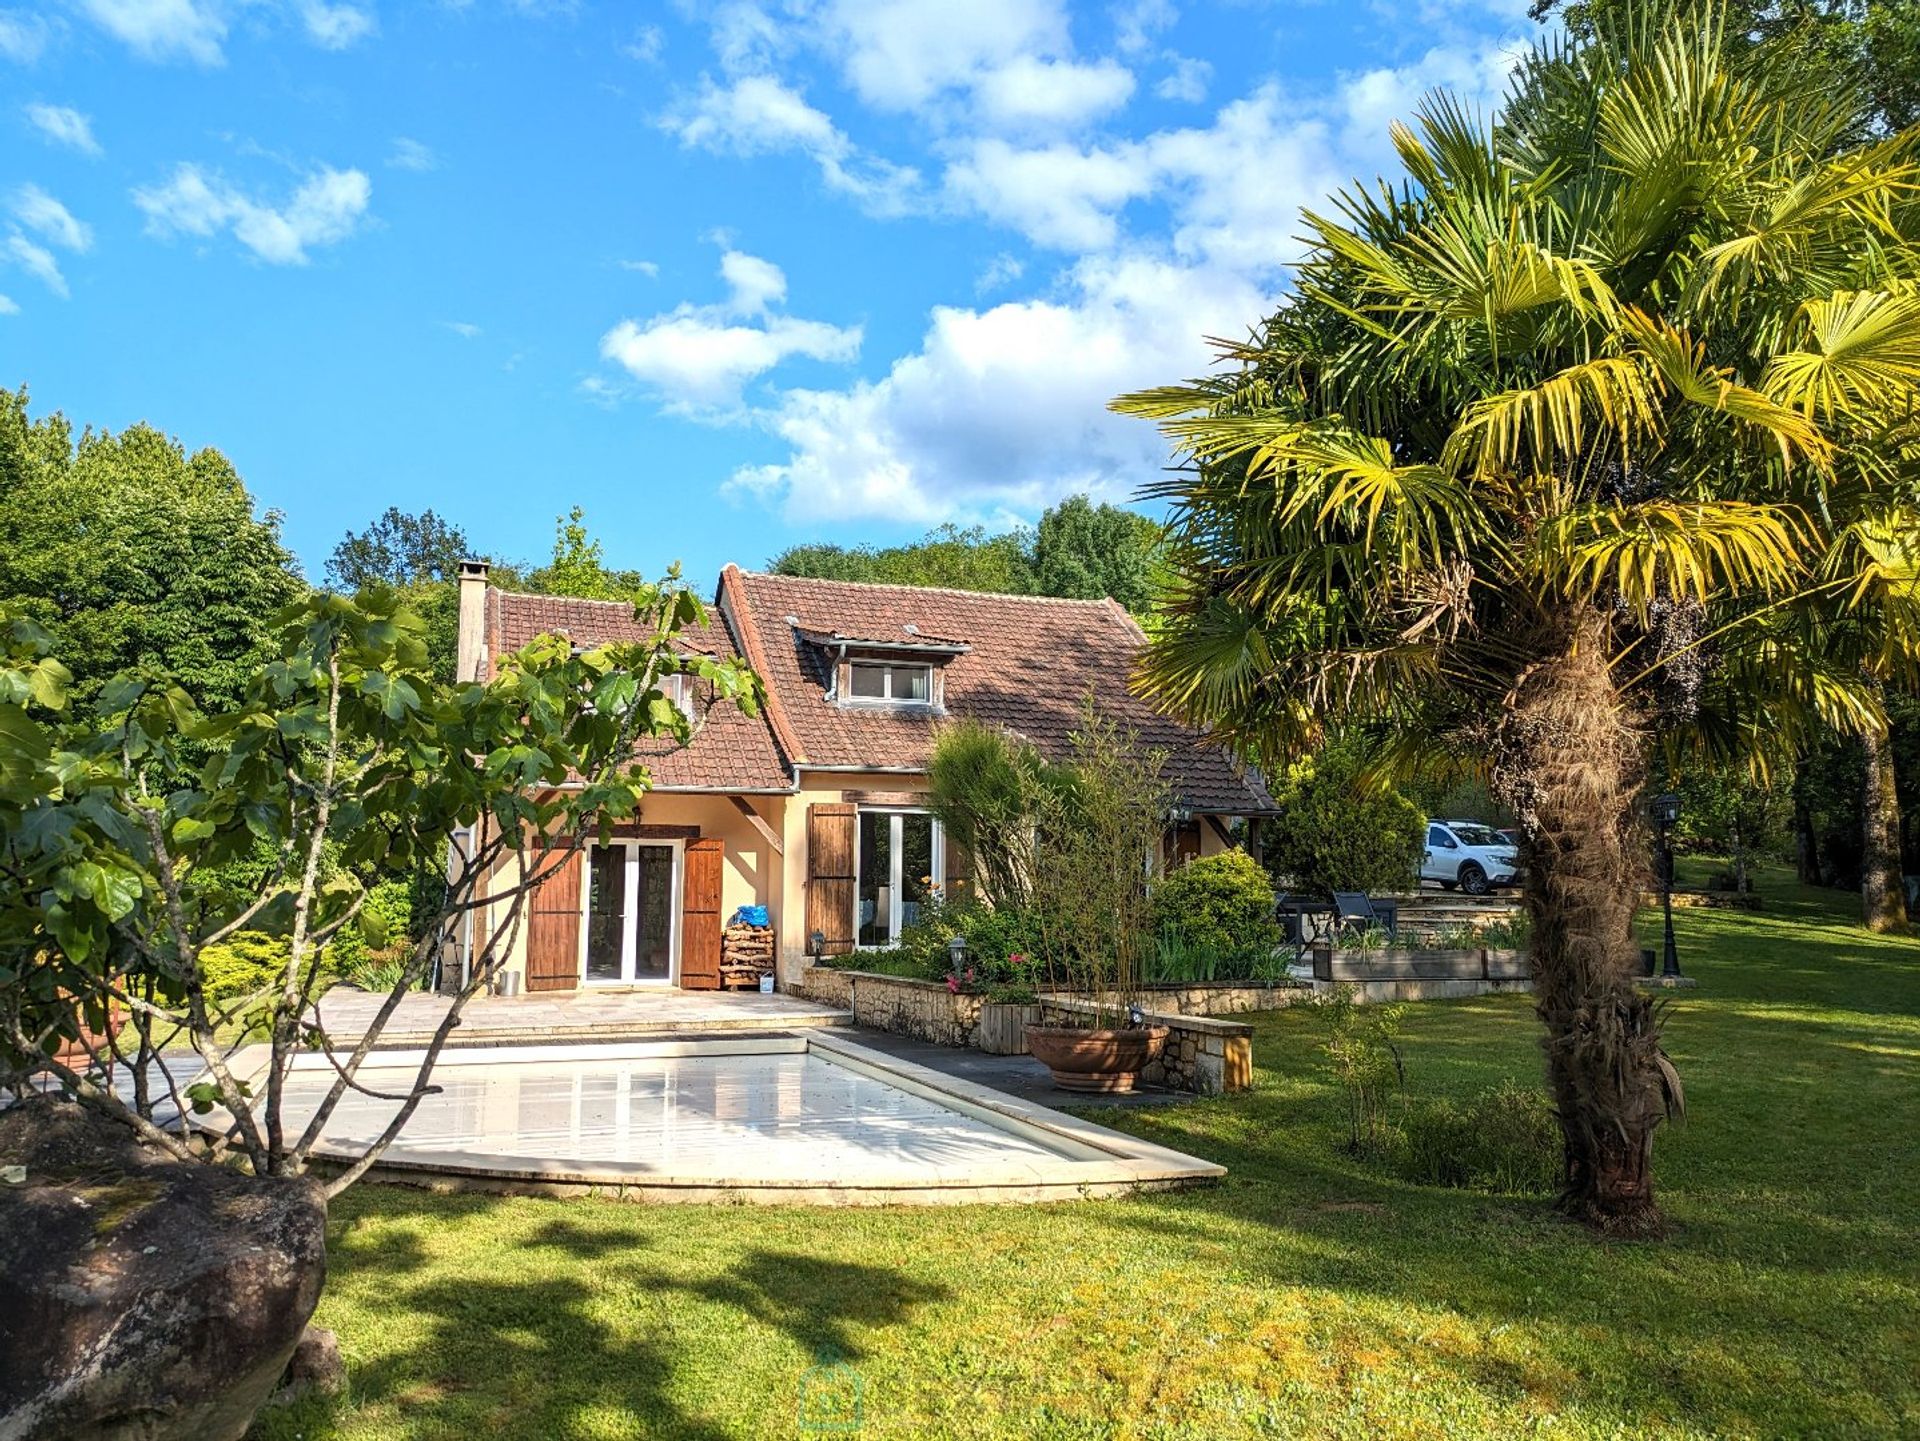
[731,275]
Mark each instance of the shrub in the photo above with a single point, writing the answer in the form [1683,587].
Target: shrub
[1336,832]
[1223,903]
[381,934]
[1175,958]
[245,962]
[1504,1139]
[997,934]
[1363,1052]
[988,790]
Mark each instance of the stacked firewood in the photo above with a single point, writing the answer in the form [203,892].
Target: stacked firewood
[746,954]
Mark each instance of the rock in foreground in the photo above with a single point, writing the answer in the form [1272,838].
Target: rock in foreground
[143,1298]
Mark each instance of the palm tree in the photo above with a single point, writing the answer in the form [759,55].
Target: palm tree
[1593,434]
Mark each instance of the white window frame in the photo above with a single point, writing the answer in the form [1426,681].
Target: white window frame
[896,855]
[629,943]
[887,668]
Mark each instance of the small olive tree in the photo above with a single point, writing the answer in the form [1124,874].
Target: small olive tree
[136,839]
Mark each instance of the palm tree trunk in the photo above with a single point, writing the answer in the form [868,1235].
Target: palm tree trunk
[1569,760]
[1883,900]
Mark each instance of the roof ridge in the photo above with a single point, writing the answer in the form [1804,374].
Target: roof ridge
[924,589]
[548,595]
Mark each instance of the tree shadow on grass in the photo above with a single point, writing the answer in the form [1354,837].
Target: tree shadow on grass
[816,1301]
[586,1344]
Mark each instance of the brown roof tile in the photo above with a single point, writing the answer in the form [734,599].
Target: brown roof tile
[1029,661]
[730,750]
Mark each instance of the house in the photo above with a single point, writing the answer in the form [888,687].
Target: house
[815,807]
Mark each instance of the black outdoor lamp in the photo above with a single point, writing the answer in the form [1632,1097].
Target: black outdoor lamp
[817,944]
[957,955]
[1665,809]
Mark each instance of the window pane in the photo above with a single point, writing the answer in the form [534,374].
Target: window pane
[606,910]
[910,682]
[870,681]
[1436,836]
[916,866]
[653,927]
[876,879]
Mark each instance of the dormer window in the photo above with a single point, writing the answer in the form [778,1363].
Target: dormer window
[906,669]
[884,681]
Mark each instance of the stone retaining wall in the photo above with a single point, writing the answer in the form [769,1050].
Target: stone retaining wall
[925,1010]
[1219,998]
[1202,1055]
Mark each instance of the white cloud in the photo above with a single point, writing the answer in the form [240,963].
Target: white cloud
[1187,80]
[1171,236]
[49,219]
[23,36]
[63,125]
[1057,195]
[899,54]
[8,305]
[759,115]
[337,27]
[1027,91]
[409,154]
[1137,23]
[163,29]
[327,208]
[647,43]
[648,268]
[698,358]
[465,329]
[1004,409]
[1003,269]
[754,284]
[36,260]
[1371,101]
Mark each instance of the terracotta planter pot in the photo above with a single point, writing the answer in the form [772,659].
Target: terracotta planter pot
[75,1053]
[1089,1060]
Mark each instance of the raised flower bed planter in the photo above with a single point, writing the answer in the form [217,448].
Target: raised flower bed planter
[1465,963]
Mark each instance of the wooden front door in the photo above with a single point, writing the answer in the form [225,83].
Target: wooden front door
[553,922]
[700,916]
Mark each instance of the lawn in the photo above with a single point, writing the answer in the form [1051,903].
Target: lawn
[1307,1295]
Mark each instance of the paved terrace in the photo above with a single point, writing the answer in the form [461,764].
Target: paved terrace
[571,1016]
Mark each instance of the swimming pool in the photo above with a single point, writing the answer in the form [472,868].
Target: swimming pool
[812,1117]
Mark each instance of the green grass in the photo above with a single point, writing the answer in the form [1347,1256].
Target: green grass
[1307,1295]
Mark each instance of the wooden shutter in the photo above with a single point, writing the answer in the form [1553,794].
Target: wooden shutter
[700,916]
[553,922]
[831,833]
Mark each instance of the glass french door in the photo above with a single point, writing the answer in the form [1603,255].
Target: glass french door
[630,915]
[902,856]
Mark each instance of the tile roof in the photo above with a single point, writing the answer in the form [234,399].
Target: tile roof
[730,750]
[1029,661]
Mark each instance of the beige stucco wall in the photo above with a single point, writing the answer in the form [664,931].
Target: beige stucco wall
[1210,842]
[750,874]
[753,873]
[817,787]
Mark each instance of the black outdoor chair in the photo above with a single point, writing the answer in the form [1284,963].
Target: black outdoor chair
[1357,911]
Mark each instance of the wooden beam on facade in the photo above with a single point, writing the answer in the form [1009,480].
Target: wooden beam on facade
[1220,830]
[767,832]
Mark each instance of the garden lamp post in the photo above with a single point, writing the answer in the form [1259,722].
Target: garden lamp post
[957,955]
[1666,811]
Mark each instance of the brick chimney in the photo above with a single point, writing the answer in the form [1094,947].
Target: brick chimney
[471,651]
